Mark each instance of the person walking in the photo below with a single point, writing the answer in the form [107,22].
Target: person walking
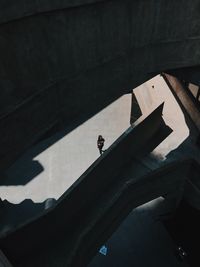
[100,144]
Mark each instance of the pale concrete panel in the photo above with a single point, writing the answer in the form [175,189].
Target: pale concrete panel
[153,93]
[66,160]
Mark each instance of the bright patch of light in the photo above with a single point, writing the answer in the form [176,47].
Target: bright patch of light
[153,93]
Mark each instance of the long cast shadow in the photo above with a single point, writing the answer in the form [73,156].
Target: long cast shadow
[29,168]
[26,168]
[18,214]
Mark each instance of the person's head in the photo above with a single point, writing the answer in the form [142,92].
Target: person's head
[100,137]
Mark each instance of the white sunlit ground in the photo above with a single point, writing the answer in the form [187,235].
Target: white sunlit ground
[64,161]
[69,157]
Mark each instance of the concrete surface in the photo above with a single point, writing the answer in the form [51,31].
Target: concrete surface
[99,177]
[181,143]
[66,59]
[53,246]
[63,162]
[184,98]
[148,96]
[44,180]
[140,241]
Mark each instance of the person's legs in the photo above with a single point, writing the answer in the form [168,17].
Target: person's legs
[100,150]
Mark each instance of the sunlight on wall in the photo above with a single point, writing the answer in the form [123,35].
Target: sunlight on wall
[152,93]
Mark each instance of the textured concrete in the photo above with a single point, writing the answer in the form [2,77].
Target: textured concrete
[89,54]
[181,143]
[60,165]
[147,97]
[88,188]
[108,214]
[185,100]
[141,240]
[63,62]
[11,10]
[182,116]
[98,218]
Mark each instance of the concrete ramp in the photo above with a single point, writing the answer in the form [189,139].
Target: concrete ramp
[134,193]
[63,228]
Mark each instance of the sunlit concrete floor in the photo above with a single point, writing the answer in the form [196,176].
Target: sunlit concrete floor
[140,239]
[54,169]
[48,169]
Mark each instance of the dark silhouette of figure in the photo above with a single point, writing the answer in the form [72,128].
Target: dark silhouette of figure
[100,144]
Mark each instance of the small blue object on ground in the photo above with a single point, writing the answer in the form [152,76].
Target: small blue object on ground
[103,250]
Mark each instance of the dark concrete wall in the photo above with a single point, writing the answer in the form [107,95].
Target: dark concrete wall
[28,123]
[74,206]
[161,182]
[192,190]
[11,10]
[44,48]
[69,59]
[4,261]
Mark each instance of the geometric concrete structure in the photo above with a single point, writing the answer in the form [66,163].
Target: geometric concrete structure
[102,209]
[47,169]
[61,63]
[113,161]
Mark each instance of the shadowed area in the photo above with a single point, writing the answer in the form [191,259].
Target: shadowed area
[62,65]
[64,156]
[17,214]
[63,62]
[29,170]
[81,210]
[140,240]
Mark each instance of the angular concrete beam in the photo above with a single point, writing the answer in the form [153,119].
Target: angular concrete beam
[77,202]
[184,99]
[135,193]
